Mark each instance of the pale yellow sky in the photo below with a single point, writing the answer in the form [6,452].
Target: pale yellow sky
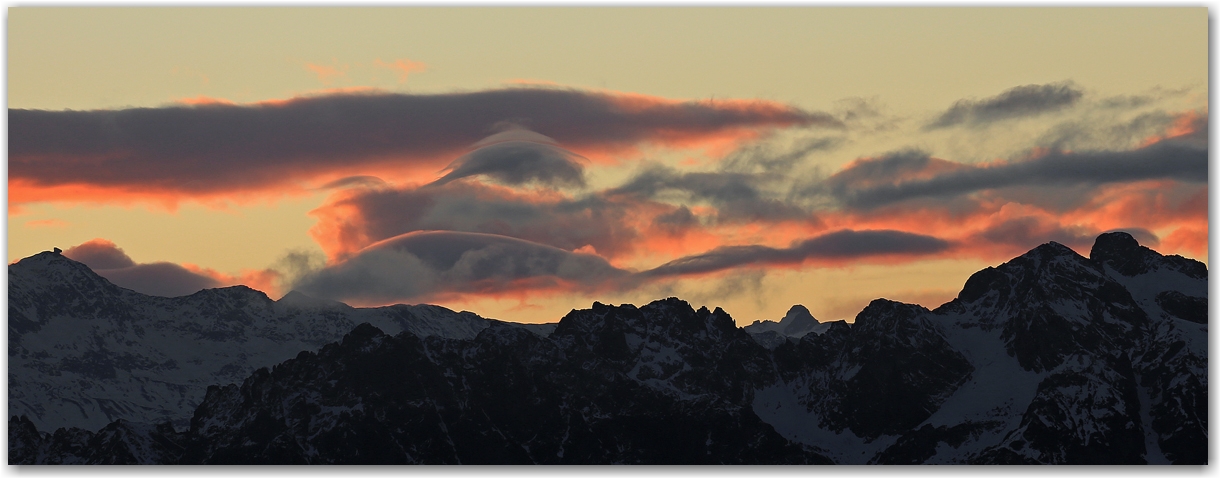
[915,59]
[909,62]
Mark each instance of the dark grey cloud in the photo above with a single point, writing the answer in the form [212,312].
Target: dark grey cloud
[608,220]
[355,182]
[845,244]
[1164,160]
[420,264]
[1022,101]
[219,147]
[885,169]
[737,196]
[677,221]
[516,162]
[570,224]
[99,254]
[1026,232]
[159,278]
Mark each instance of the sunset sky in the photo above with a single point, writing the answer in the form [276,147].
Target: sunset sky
[521,162]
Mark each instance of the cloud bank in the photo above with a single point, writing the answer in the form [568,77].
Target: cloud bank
[162,279]
[844,244]
[428,263]
[222,147]
[874,183]
[518,213]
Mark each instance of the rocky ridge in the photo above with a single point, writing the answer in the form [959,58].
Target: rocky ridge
[1051,357]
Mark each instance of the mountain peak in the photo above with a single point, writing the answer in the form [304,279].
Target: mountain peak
[1120,251]
[1052,249]
[53,266]
[795,312]
[1114,244]
[46,257]
[797,321]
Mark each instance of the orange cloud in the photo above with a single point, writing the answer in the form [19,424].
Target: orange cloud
[47,223]
[204,101]
[327,73]
[153,197]
[403,66]
[163,278]
[531,82]
[1189,240]
[1187,125]
[1152,204]
[725,140]
[265,280]
[351,220]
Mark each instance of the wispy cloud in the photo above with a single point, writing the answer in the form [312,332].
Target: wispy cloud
[402,66]
[1022,101]
[327,73]
[46,223]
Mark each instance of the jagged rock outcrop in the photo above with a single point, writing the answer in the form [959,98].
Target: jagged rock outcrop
[611,385]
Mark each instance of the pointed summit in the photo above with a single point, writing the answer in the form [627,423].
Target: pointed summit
[798,321]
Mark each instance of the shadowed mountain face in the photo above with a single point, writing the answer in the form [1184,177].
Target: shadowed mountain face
[84,352]
[1048,358]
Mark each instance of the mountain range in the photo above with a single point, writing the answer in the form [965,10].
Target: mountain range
[1051,357]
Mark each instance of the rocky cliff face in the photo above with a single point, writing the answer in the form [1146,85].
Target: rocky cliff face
[1051,357]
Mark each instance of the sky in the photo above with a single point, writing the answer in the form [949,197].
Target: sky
[522,162]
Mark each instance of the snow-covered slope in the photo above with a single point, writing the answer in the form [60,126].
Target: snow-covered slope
[1074,362]
[84,352]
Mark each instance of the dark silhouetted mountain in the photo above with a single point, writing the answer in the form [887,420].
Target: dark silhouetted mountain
[1051,357]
